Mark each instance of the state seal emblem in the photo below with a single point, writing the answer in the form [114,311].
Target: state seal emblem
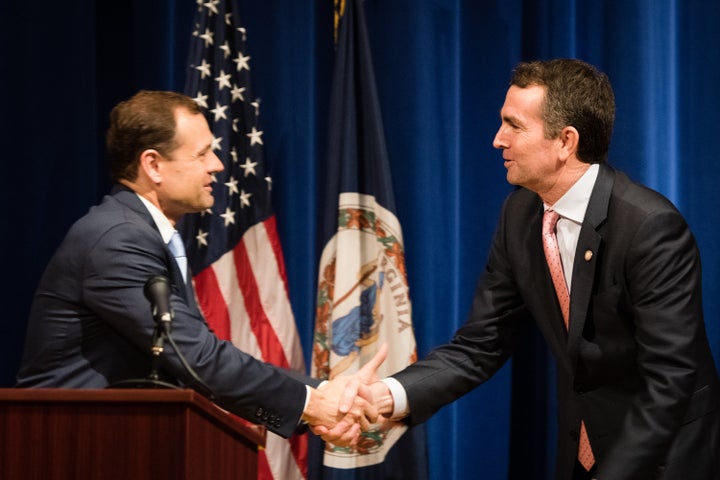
[363,301]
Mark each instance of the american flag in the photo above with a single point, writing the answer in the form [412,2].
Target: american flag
[233,249]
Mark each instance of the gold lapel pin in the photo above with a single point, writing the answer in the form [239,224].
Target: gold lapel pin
[588,255]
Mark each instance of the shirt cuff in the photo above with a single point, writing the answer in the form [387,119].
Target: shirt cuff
[400,403]
[307,397]
[308,388]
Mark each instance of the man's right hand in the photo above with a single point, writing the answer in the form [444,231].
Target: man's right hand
[343,407]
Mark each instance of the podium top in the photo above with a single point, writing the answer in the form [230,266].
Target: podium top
[189,398]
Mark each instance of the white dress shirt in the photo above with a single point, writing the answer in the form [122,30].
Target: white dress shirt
[572,207]
[166,228]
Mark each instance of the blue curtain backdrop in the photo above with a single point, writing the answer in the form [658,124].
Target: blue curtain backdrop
[442,68]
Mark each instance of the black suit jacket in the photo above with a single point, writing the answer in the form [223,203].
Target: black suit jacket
[90,323]
[635,364]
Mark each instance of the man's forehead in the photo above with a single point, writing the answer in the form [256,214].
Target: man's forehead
[523,102]
[192,131]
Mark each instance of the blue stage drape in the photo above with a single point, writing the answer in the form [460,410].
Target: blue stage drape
[442,68]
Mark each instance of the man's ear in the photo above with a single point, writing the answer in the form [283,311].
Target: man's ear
[150,164]
[569,141]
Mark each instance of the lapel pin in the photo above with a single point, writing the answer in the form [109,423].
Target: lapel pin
[588,255]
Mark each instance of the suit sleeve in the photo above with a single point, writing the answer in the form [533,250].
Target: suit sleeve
[664,289]
[478,349]
[116,270]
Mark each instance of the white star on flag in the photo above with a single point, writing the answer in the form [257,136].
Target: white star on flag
[228,216]
[226,49]
[255,136]
[248,166]
[223,80]
[219,111]
[245,198]
[237,93]
[201,100]
[242,62]
[208,37]
[212,6]
[201,238]
[204,68]
[232,186]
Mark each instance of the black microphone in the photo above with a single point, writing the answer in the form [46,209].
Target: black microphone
[157,291]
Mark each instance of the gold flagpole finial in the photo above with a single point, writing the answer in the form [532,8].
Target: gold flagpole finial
[339,11]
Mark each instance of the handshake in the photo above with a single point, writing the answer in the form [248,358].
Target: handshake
[340,409]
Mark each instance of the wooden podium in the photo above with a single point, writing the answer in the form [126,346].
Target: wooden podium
[63,434]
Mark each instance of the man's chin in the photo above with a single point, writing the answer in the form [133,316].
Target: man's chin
[203,206]
[510,179]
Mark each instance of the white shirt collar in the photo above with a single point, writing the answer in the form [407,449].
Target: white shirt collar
[574,203]
[166,228]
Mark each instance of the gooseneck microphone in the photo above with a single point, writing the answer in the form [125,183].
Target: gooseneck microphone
[157,291]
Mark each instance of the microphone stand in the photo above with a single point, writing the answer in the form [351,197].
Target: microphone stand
[161,331]
[157,350]
[153,378]
[157,291]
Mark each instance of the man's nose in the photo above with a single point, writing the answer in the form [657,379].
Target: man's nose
[498,141]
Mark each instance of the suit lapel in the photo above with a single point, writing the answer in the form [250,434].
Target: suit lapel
[587,256]
[128,198]
[549,317]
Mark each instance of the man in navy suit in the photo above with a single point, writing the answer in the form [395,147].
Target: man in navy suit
[638,392]
[90,324]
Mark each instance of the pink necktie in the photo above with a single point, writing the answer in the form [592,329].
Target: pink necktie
[552,255]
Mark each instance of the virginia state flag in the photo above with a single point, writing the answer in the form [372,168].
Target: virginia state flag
[363,297]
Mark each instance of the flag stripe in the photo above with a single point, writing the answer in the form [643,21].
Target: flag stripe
[264,471]
[268,341]
[262,244]
[228,291]
[266,263]
[299,447]
[212,303]
[284,459]
[274,241]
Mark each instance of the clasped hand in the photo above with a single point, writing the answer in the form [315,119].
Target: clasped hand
[340,409]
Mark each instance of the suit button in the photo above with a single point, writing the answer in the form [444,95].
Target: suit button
[260,412]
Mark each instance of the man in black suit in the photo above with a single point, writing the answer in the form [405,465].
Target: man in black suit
[90,324]
[638,392]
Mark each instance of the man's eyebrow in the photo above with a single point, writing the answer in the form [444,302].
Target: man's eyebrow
[510,119]
[205,149]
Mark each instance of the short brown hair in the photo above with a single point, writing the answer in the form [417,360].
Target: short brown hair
[577,95]
[147,120]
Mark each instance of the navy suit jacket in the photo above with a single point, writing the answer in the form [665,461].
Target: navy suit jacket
[90,324]
[635,364]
